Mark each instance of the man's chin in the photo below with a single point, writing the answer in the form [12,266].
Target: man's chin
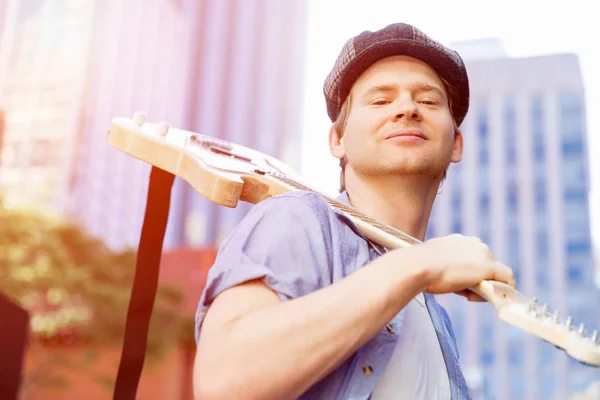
[425,172]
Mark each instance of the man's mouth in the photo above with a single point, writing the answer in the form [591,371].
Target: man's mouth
[407,136]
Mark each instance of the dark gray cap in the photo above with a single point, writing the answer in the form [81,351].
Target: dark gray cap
[362,51]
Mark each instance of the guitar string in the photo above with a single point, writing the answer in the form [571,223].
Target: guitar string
[348,209]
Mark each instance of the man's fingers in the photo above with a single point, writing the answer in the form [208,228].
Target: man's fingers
[500,272]
[471,296]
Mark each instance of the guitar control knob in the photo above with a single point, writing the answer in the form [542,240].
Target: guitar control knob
[162,128]
[139,118]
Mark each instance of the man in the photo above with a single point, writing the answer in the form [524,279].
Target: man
[298,303]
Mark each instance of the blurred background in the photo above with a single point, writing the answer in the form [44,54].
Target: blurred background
[251,71]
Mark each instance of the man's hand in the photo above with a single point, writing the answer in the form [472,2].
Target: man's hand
[457,262]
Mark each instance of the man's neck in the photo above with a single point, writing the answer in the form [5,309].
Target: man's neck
[400,201]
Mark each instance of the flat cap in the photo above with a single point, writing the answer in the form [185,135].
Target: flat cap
[362,51]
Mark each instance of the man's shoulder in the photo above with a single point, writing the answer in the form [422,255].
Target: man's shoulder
[299,213]
[299,201]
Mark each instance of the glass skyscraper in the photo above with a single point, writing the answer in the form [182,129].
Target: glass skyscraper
[67,67]
[523,188]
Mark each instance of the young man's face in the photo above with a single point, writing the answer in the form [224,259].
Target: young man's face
[399,122]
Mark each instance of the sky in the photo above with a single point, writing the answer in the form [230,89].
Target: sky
[526,28]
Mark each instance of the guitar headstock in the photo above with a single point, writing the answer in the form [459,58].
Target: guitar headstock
[526,314]
[537,319]
[221,171]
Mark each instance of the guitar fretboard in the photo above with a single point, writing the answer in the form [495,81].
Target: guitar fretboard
[345,208]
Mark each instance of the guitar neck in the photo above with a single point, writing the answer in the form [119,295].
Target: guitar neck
[496,293]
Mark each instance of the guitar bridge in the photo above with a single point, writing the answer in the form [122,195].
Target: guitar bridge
[217,146]
[209,142]
[220,150]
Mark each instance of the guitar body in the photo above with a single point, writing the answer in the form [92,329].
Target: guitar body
[225,185]
[226,173]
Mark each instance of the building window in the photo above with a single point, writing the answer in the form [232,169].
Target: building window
[541,256]
[482,122]
[483,129]
[484,203]
[537,128]
[457,226]
[458,326]
[483,156]
[571,124]
[540,194]
[483,179]
[538,149]
[430,233]
[575,219]
[487,357]
[485,234]
[542,243]
[537,122]
[510,131]
[456,202]
[515,355]
[511,197]
[576,196]
[575,273]
[572,148]
[581,246]
[574,173]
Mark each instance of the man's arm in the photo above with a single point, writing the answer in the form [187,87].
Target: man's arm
[254,346]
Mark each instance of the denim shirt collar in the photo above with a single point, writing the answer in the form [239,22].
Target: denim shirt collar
[379,249]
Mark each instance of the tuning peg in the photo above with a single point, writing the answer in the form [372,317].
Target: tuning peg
[581,330]
[533,305]
[556,317]
[544,309]
[139,118]
[568,322]
[594,336]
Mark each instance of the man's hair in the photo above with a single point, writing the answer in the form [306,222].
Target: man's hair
[342,120]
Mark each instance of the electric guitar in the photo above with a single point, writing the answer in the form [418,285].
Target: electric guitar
[226,173]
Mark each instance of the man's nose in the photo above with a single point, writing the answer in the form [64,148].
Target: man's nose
[406,109]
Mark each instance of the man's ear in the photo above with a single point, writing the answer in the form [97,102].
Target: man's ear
[457,151]
[336,143]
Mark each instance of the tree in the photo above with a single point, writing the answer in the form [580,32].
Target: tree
[77,292]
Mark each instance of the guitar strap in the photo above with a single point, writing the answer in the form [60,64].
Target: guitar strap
[145,284]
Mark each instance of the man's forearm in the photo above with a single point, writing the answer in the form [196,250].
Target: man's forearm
[281,350]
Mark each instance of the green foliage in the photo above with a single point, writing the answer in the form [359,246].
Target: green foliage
[77,290]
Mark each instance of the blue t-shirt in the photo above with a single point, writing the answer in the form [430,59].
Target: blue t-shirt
[297,244]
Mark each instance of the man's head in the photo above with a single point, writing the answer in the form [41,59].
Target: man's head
[397,81]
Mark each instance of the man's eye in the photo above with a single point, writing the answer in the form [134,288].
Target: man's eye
[429,102]
[380,102]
